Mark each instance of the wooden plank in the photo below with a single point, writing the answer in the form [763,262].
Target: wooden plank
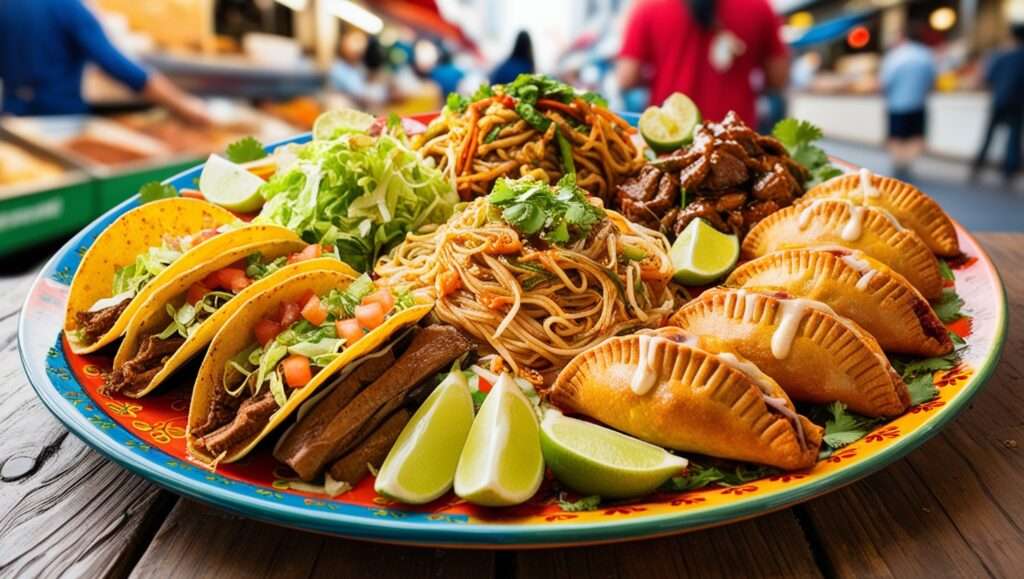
[63,508]
[770,546]
[198,540]
[954,507]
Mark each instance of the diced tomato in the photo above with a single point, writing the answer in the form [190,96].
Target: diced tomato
[349,330]
[196,292]
[370,315]
[203,236]
[484,385]
[266,330]
[312,251]
[233,279]
[314,312]
[193,194]
[450,282]
[288,313]
[305,297]
[383,297]
[297,372]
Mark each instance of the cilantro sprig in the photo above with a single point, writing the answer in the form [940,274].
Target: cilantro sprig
[155,190]
[244,150]
[799,138]
[697,476]
[579,505]
[560,214]
[846,427]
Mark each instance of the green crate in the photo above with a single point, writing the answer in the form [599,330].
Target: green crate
[114,189]
[35,217]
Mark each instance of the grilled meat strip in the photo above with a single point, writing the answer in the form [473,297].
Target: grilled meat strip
[253,414]
[335,425]
[136,373]
[351,468]
[94,324]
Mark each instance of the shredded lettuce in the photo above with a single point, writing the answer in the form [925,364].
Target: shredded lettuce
[359,193]
[133,277]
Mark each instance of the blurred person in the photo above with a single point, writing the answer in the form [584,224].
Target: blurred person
[445,73]
[519,62]
[907,77]
[707,49]
[360,73]
[1004,75]
[44,47]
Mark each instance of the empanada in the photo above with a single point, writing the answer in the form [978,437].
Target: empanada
[856,286]
[839,222]
[660,386]
[914,209]
[813,353]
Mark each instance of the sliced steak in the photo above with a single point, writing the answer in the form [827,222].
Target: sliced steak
[323,436]
[223,408]
[94,324]
[135,374]
[351,468]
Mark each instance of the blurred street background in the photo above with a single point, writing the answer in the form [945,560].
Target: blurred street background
[100,96]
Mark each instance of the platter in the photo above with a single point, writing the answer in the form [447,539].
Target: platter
[147,436]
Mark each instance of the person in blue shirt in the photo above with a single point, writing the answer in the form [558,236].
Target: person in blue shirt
[519,62]
[907,76]
[1004,76]
[44,47]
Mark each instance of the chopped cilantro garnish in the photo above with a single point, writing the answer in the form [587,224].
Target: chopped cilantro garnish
[946,271]
[244,150]
[799,138]
[845,427]
[456,103]
[948,306]
[560,214]
[696,476]
[155,190]
[583,504]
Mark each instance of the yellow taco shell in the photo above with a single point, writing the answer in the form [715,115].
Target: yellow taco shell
[237,333]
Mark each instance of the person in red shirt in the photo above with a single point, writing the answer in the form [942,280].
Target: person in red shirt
[707,49]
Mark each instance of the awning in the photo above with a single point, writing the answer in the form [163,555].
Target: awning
[830,30]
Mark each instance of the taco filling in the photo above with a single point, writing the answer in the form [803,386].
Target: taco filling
[286,352]
[129,281]
[191,309]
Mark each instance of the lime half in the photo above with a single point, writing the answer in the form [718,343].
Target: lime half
[332,123]
[230,185]
[421,464]
[702,254]
[594,460]
[501,464]
[670,126]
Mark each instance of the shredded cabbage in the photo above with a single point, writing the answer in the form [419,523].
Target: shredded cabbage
[359,193]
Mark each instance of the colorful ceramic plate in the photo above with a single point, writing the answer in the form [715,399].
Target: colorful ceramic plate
[147,437]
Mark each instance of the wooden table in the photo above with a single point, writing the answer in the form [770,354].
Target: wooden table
[954,507]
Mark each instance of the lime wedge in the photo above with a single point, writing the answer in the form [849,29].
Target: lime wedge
[421,464]
[501,464]
[230,185]
[702,254]
[670,126]
[329,124]
[594,460]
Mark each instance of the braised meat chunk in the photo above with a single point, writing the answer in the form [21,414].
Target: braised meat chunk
[136,374]
[94,324]
[729,175]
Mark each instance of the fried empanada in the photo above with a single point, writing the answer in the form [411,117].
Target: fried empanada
[838,222]
[914,209]
[856,286]
[813,353]
[660,386]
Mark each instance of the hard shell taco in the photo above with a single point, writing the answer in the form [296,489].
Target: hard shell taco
[279,347]
[139,252]
[181,317]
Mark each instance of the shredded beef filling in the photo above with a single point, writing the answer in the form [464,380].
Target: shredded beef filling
[732,177]
[135,374]
[94,324]
[253,414]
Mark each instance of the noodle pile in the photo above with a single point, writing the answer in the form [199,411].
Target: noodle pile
[537,304]
[517,133]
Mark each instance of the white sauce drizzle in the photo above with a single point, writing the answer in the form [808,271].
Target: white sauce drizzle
[867,190]
[792,312]
[867,273]
[855,225]
[644,375]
